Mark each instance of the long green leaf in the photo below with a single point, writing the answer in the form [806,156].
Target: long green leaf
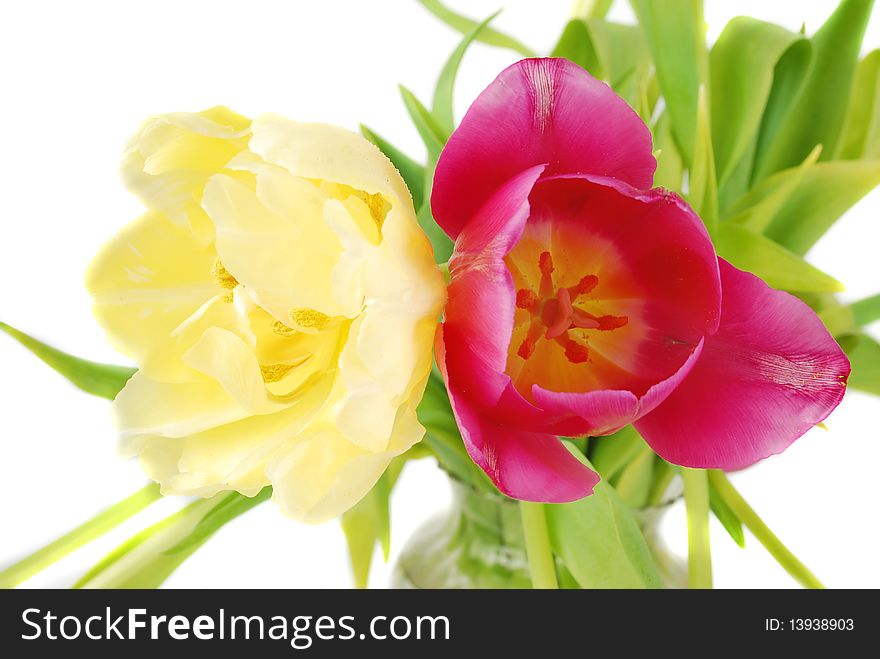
[675,33]
[432,134]
[860,137]
[610,454]
[94,528]
[867,310]
[741,67]
[759,206]
[444,91]
[761,531]
[670,166]
[465,25]
[703,191]
[635,481]
[726,516]
[600,542]
[147,559]
[815,115]
[826,192]
[865,360]
[591,8]
[623,56]
[412,172]
[789,77]
[104,380]
[576,44]
[771,262]
[369,523]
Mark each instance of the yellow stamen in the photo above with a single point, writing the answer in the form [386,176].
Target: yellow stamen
[282,330]
[309,318]
[222,277]
[274,372]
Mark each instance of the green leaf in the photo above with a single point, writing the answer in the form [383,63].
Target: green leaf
[228,508]
[741,67]
[788,78]
[611,453]
[623,54]
[105,380]
[675,33]
[465,25]
[865,360]
[759,206]
[867,310]
[815,114]
[441,108]
[635,481]
[591,8]
[826,192]
[860,136]
[369,523]
[432,134]
[147,559]
[600,542]
[670,166]
[576,44]
[703,186]
[94,528]
[412,172]
[442,244]
[726,516]
[770,261]
[443,438]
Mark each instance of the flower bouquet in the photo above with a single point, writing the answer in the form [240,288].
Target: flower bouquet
[588,301]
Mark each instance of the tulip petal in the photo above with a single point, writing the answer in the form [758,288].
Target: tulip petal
[523,465]
[538,111]
[146,282]
[770,373]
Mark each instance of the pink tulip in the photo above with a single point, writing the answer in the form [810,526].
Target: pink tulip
[582,301]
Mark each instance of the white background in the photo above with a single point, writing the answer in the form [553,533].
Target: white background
[77,79]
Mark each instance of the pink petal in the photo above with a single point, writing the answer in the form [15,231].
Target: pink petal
[770,373]
[479,313]
[523,465]
[538,111]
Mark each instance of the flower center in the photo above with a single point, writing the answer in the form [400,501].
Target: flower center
[553,315]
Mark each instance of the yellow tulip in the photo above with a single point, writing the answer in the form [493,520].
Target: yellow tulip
[280,301]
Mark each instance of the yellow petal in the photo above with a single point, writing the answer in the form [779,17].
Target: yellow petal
[327,153]
[146,282]
[285,260]
[169,160]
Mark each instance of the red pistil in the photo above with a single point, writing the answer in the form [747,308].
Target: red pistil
[556,316]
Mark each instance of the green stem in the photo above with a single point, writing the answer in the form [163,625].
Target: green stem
[762,532]
[696,497]
[541,562]
[94,528]
[867,310]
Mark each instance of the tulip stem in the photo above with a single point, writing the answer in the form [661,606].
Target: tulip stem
[696,497]
[542,565]
[92,529]
[762,532]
